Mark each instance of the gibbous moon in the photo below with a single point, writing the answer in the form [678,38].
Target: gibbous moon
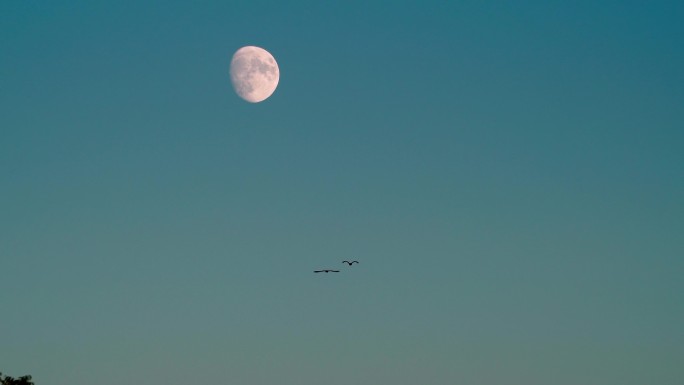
[254,73]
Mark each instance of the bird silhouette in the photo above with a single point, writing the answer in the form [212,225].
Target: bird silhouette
[326,271]
[350,263]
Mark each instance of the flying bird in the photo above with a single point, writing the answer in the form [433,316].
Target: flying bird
[350,263]
[326,271]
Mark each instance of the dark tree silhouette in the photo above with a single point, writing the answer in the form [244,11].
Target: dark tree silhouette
[23,380]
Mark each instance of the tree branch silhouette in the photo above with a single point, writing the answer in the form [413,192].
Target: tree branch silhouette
[23,380]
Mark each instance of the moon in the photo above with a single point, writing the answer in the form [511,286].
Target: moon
[254,73]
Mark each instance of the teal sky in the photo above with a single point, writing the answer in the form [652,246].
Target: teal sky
[509,175]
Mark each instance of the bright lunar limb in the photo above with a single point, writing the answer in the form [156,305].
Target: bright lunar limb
[254,73]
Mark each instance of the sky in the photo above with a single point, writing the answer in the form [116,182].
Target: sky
[510,177]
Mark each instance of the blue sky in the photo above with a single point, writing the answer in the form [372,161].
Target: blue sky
[508,175]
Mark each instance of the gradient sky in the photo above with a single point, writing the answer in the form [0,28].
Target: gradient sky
[509,175]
